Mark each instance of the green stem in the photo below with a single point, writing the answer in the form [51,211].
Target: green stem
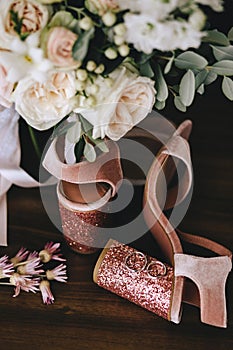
[34,142]
[6,284]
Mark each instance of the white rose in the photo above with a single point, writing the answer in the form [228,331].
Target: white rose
[121,107]
[34,16]
[44,105]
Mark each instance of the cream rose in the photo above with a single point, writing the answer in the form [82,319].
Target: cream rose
[6,88]
[59,47]
[44,105]
[120,107]
[33,14]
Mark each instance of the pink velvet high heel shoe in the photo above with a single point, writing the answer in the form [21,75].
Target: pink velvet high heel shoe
[84,191]
[208,275]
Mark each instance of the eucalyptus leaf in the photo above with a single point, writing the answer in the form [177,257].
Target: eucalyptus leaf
[102,145]
[99,143]
[224,67]
[227,88]
[230,34]
[89,152]
[201,89]
[169,65]
[146,70]
[200,78]
[86,126]
[160,104]
[161,85]
[187,88]
[74,133]
[211,77]
[190,60]
[179,105]
[216,37]
[223,52]
[62,129]
[80,47]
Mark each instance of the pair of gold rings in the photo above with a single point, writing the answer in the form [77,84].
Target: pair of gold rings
[137,262]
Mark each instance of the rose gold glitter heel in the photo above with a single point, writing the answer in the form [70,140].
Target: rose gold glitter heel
[135,276]
[208,275]
[84,192]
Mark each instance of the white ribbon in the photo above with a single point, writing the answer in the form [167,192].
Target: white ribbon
[10,170]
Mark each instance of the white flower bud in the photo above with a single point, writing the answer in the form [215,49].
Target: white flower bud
[91,66]
[80,85]
[81,74]
[119,40]
[110,53]
[100,69]
[90,101]
[109,18]
[109,82]
[197,19]
[123,50]
[120,29]
[86,23]
[92,89]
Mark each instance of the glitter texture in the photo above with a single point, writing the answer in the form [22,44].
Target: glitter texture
[80,229]
[141,286]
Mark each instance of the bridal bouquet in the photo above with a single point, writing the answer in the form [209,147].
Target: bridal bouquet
[64,58]
[101,66]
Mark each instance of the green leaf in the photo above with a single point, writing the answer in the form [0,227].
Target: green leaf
[179,105]
[160,104]
[227,88]
[169,65]
[101,145]
[224,67]
[230,34]
[190,60]
[187,88]
[62,129]
[74,133]
[200,78]
[211,77]
[201,89]
[61,19]
[161,85]
[86,126]
[89,152]
[216,37]
[223,52]
[80,47]
[146,70]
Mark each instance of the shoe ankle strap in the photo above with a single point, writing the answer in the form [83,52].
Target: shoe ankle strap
[205,243]
[106,168]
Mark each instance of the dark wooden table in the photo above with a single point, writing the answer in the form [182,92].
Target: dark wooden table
[85,316]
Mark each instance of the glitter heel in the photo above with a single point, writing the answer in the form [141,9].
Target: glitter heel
[170,240]
[135,276]
[84,192]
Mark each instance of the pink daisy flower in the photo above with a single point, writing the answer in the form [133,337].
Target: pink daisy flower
[58,273]
[6,268]
[20,256]
[24,282]
[50,252]
[46,293]
[31,267]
